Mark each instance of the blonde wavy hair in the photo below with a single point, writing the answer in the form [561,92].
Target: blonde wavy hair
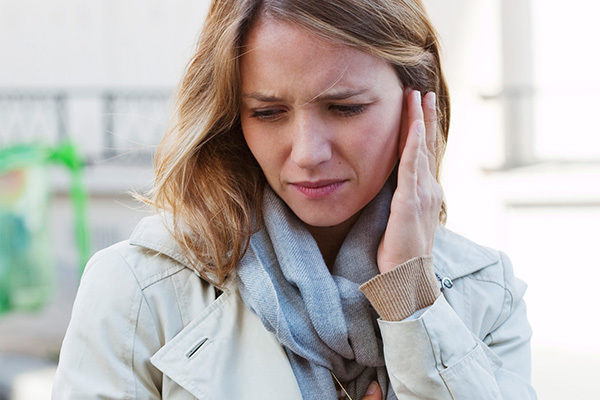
[206,177]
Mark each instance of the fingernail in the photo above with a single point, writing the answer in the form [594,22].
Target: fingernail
[418,95]
[432,98]
[372,388]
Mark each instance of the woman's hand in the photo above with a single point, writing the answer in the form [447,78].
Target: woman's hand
[375,392]
[417,201]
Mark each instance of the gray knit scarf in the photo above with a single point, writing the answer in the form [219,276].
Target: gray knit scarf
[320,317]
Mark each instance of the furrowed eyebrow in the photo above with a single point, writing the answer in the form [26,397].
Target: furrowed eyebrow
[341,95]
[327,96]
[262,97]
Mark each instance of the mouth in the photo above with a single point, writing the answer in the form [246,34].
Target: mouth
[318,189]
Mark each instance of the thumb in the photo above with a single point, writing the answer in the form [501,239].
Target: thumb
[373,392]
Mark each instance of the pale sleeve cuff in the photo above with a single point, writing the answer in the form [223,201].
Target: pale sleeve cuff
[406,289]
[417,314]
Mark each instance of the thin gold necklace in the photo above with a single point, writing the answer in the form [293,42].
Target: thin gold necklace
[340,383]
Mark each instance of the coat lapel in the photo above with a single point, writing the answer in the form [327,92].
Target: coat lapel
[226,353]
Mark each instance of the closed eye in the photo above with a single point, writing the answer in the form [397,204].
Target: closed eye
[267,115]
[347,110]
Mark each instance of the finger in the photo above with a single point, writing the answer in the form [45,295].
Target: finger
[415,113]
[415,107]
[430,118]
[404,121]
[408,169]
[373,392]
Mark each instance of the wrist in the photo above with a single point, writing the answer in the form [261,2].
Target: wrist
[405,289]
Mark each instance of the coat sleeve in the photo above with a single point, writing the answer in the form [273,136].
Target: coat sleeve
[436,356]
[110,336]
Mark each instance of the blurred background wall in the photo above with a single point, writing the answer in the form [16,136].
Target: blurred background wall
[521,173]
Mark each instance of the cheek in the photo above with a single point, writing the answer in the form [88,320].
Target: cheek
[264,149]
[379,144]
[258,151]
[253,141]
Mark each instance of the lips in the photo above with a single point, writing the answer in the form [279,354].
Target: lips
[318,189]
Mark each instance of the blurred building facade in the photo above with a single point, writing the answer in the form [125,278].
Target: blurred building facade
[522,172]
[522,169]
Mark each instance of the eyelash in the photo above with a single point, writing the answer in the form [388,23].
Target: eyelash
[348,110]
[344,110]
[266,114]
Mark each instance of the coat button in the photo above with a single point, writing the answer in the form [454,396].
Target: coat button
[447,282]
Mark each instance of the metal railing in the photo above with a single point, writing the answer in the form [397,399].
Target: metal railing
[119,126]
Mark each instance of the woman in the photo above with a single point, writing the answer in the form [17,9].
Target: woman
[296,257]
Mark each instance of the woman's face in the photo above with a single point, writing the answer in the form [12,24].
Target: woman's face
[322,120]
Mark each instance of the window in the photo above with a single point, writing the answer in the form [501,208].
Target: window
[550,75]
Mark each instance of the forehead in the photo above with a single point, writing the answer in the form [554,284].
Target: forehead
[278,52]
[268,29]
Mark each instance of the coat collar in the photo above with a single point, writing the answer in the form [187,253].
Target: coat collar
[455,257]
[155,233]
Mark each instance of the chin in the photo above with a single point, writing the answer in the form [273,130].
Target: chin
[320,222]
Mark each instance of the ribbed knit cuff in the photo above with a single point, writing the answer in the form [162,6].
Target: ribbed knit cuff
[401,292]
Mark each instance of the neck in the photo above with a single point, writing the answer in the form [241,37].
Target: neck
[330,238]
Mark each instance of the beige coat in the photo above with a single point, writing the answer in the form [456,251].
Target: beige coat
[145,326]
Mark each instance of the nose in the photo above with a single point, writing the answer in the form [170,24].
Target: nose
[311,145]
